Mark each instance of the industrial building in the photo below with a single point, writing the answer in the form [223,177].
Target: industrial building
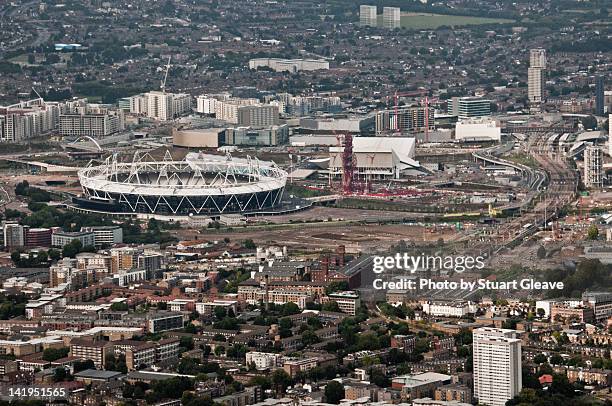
[477,130]
[333,124]
[391,17]
[267,136]
[290,65]
[197,138]
[377,157]
[367,16]
[593,167]
[405,120]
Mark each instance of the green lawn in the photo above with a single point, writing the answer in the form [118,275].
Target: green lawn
[418,21]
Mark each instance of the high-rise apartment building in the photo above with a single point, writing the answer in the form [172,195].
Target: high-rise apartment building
[536,75]
[497,365]
[391,17]
[593,167]
[405,120]
[367,16]
[160,105]
[599,96]
[258,115]
[27,119]
[14,236]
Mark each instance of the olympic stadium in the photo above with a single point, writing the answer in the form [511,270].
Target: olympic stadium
[200,184]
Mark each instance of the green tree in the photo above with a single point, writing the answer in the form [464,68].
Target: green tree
[334,392]
[71,249]
[53,354]
[592,232]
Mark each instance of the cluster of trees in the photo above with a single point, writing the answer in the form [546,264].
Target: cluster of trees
[116,363]
[560,392]
[34,259]
[155,232]
[589,274]
[12,306]
[35,194]
[53,354]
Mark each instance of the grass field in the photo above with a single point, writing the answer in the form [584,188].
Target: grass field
[419,21]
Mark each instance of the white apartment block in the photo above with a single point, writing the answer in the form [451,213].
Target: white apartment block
[290,65]
[449,309]
[497,365]
[391,17]
[367,16]
[27,119]
[205,105]
[92,125]
[263,360]
[160,105]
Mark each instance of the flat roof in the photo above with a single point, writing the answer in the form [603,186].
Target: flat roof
[97,374]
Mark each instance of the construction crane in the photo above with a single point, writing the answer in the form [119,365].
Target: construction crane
[163,83]
[396,95]
[40,97]
[425,102]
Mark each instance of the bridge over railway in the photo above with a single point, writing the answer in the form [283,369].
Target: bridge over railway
[43,166]
[528,130]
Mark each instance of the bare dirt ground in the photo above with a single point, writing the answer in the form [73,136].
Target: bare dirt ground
[319,237]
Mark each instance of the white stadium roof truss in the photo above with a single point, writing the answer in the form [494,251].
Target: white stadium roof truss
[198,184]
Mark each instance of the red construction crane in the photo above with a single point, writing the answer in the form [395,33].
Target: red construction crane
[425,102]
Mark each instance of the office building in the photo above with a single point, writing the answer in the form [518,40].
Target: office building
[497,365]
[391,17]
[601,302]
[38,237]
[367,16]
[593,167]
[468,107]
[247,136]
[348,302]
[599,96]
[61,238]
[536,75]
[405,120]
[105,236]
